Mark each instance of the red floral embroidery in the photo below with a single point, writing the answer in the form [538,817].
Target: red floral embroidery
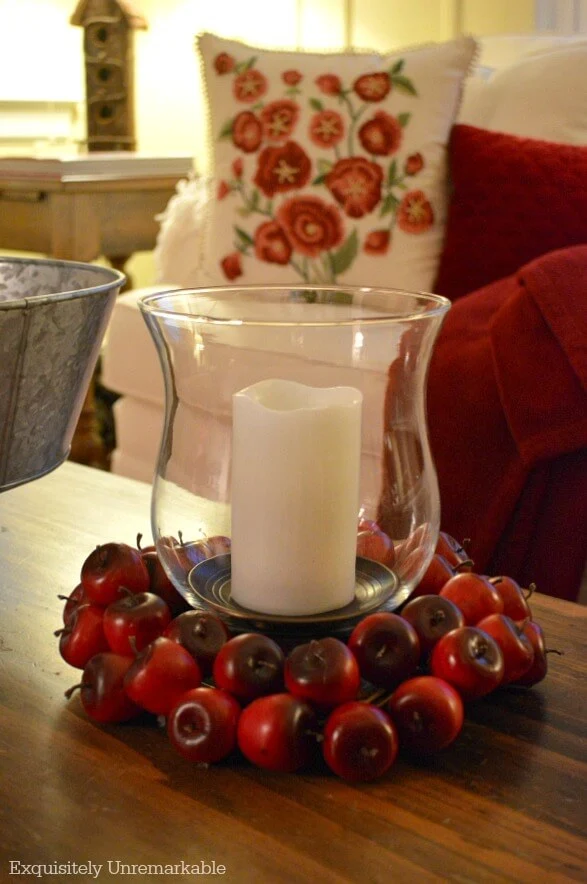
[373,87]
[247,131]
[329,84]
[250,85]
[291,78]
[326,128]
[382,135]
[355,183]
[278,224]
[377,242]
[282,168]
[415,214]
[271,243]
[414,164]
[312,226]
[231,265]
[222,190]
[223,63]
[279,119]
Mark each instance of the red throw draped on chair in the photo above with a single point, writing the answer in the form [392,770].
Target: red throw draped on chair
[507,411]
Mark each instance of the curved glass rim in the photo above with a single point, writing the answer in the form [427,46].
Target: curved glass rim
[149,304]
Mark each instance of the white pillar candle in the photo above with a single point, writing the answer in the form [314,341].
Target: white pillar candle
[296,454]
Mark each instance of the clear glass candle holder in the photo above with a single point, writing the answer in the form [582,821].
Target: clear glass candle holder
[295,479]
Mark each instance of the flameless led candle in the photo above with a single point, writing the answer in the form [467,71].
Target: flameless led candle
[295,496]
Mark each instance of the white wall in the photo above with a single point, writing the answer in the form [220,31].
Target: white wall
[562,16]
[42,57]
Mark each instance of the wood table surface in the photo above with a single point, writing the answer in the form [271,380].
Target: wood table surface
[507,802]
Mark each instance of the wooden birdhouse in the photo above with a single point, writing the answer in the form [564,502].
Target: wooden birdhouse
[109,27]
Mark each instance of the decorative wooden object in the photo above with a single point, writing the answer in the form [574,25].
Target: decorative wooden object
[109,62]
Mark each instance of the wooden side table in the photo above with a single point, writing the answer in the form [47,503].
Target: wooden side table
[80,218]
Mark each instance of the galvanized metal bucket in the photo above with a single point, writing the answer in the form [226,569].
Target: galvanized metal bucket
[53,315]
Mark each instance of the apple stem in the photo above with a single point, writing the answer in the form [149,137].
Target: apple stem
[531,590]
[377,698]
[520,629]
[252,663]
[70,691]
[554,651]
[437,618]
[315,653]
[139,538]
[318,735]
[128,593]
[466,563]
[417,722]
[369,752]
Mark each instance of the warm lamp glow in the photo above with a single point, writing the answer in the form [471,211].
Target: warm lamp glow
[42,55]
[41,58]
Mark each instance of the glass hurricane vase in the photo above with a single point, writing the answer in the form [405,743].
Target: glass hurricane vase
[295,481]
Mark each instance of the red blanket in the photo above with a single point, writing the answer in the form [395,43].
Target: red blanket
[507,410]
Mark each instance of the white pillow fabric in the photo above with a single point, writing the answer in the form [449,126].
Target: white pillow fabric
[330,168]
[178,253]
[543,95]
[502,50]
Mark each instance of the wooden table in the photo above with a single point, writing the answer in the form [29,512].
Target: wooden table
[506,803]
[79,219]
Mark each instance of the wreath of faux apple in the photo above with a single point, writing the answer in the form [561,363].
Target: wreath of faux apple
[400,682]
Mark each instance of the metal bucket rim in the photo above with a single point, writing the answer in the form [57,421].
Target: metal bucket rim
[114,278]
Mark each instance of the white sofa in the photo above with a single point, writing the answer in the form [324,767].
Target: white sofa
[520,85]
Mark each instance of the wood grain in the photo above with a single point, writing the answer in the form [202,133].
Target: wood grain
[506,803]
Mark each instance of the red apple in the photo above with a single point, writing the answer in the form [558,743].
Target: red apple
[428,713]
[515,604]
[386,648]
[432,617]
[474,595]
[102,689]
[83,636]
[160,674]
[516,647]
[278,732]
[202,724]
[470,660]
[539,666]
[135,620]
[453,551]
[110,567]
[324,672]
[202,634]
[376,545]
[436,575]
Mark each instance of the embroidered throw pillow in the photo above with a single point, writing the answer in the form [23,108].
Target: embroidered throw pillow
[329,167]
